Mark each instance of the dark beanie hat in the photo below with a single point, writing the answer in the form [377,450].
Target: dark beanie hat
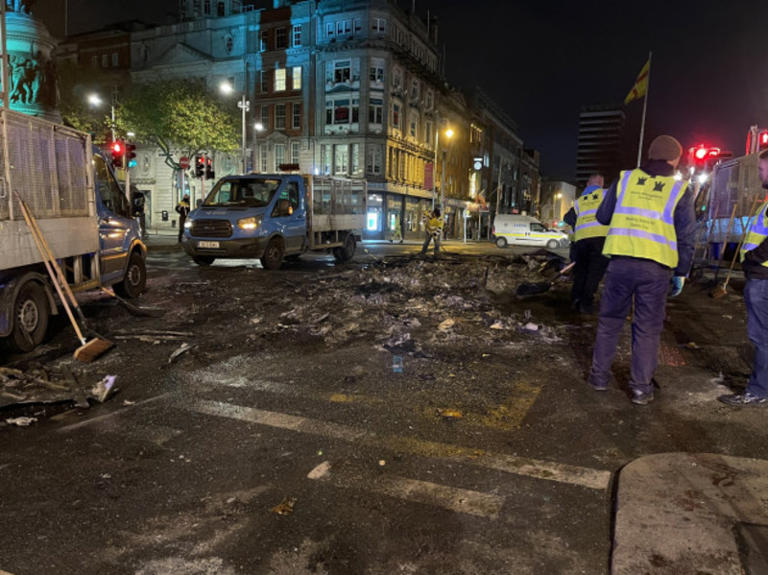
[665,148]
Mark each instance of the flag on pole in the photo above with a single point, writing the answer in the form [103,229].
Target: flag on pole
[641,84]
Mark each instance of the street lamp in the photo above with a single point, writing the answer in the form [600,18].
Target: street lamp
[259,127]
[449,135]
[95,101]
[226,88]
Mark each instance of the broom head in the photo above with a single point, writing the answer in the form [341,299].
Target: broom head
[93,349]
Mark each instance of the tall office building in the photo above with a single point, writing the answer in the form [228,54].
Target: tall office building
[601,130]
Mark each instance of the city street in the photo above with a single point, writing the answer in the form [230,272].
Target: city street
[396,414]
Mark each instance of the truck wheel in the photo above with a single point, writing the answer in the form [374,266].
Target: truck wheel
[347,251]
[273,255]
[30,317]
[501,243]
[203,261]
[552,244]
[135,279]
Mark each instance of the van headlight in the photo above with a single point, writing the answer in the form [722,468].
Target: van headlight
[249,223]
[187,225]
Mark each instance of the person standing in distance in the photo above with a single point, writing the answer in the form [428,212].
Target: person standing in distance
[182,208]
[651,237]
[754,262]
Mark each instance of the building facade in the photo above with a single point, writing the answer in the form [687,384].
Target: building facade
[601,130]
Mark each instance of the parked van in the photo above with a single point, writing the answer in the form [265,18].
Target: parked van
[526,231]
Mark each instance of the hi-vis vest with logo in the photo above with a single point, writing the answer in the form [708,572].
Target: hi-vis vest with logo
[756,233]
[587,225]
[643,223]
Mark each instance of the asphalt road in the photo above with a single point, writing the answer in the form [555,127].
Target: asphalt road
[286,440]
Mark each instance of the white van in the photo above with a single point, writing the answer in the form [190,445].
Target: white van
[526,231]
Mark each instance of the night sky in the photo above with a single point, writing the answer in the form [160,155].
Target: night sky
[541,61]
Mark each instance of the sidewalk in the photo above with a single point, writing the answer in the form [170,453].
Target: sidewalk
[692,513]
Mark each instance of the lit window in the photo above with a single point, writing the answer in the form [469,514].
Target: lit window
[296,78]
[296,36]
[280,80]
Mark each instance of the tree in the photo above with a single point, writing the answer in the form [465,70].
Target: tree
[75,84]
[178,114]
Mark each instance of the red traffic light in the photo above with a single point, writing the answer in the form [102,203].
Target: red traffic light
[701,153]
[117,148]
[762,139]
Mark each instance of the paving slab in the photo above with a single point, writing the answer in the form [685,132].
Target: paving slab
[691,513]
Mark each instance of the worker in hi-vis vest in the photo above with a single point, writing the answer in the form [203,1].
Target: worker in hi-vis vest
[651,234]
[589,239]
[754,262]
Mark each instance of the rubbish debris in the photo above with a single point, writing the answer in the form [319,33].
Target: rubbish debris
[691,345]
[447,324]
[726,316]
[183,348]
[530,326]
[101,390]
[128,402]
[320,471]
[21,421]
[37,385]
[397,364]
[382,462]
[285,507]
[497,325]
[450,413]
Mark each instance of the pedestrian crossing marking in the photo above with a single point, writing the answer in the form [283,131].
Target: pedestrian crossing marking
[509,415]
[539,469]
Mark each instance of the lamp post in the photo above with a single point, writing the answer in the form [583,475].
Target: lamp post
[95,101]
[556,196]
[226,88]
[448,136]
[259,127]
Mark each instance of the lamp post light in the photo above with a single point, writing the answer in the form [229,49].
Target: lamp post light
[226,88]
[556,196]
[448,135]
[259,127]
[95,101]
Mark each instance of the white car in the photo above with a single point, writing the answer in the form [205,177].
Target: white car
[510,229]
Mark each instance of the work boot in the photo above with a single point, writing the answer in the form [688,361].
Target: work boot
[745,399]
[587,308]
[641,397]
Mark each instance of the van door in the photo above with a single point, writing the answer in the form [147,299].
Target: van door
[516,232]
[294,224]
[538,235]
[115,223]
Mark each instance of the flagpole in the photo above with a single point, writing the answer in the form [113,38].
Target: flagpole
[645,107]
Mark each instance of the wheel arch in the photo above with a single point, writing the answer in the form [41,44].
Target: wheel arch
[12,288]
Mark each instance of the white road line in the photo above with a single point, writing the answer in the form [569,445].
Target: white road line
[106,416]
[547,470]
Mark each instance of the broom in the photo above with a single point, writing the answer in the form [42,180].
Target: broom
[89,350]
[722,289]
[526,289]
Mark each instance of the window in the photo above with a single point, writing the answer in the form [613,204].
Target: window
[220,9]
[413,130]
[111,194]
[280,80]
[104,60]
[428,100]
[377,70]
[207,7]
[265,116]
[296,78]
[329,29]
[373,164]
[375,111]
[343,27]
[94,61]
[354,156]
[342,71]
[279,155]
[325,158]
[281,39]
[279,116]
[263,40]
[379,25]
[263,157]
[358,25]
[339,111]
[428,132]
[264,80]
[340,159]
[296,123]
[415,89]
[295,152]
[396,116]
[296,36]
[115,59]
[397,78]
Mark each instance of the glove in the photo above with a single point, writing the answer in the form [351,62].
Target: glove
[677,286]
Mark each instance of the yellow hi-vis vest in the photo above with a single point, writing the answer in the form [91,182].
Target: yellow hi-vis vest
[587,225]
[756,233]
[643,223]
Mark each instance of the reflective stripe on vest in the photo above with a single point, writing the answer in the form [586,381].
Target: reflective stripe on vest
[756,233]
[587,225]
[643,224]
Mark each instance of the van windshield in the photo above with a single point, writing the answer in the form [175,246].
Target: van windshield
[245,192]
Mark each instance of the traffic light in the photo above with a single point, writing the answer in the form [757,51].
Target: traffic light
[700,156]
[762,140]
[199,166]
[130,155]
[209,173]
[118,151]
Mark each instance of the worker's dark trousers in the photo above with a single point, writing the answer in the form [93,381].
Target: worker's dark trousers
[756,298]
[589,269]
[648,283]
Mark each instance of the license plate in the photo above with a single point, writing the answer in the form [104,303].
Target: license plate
[208,245]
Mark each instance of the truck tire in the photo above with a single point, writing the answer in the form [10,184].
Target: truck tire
[30,317]
[203,261]
[135,279]
[273,255]
[501,242]
[347,251]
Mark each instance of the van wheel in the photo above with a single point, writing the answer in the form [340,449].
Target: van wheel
[501,242]
[30,317]
[135,279]
[552,244]
[273,255]
[347,251]
[203,261]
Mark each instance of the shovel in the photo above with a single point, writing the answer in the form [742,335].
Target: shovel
[89,350]
[722,289]
[526,289]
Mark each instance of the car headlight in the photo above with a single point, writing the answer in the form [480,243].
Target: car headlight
[187,225]
[249,223]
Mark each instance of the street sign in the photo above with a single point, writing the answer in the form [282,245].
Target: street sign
[184,163]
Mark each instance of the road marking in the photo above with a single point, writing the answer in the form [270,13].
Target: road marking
[547,470]
[101,418]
